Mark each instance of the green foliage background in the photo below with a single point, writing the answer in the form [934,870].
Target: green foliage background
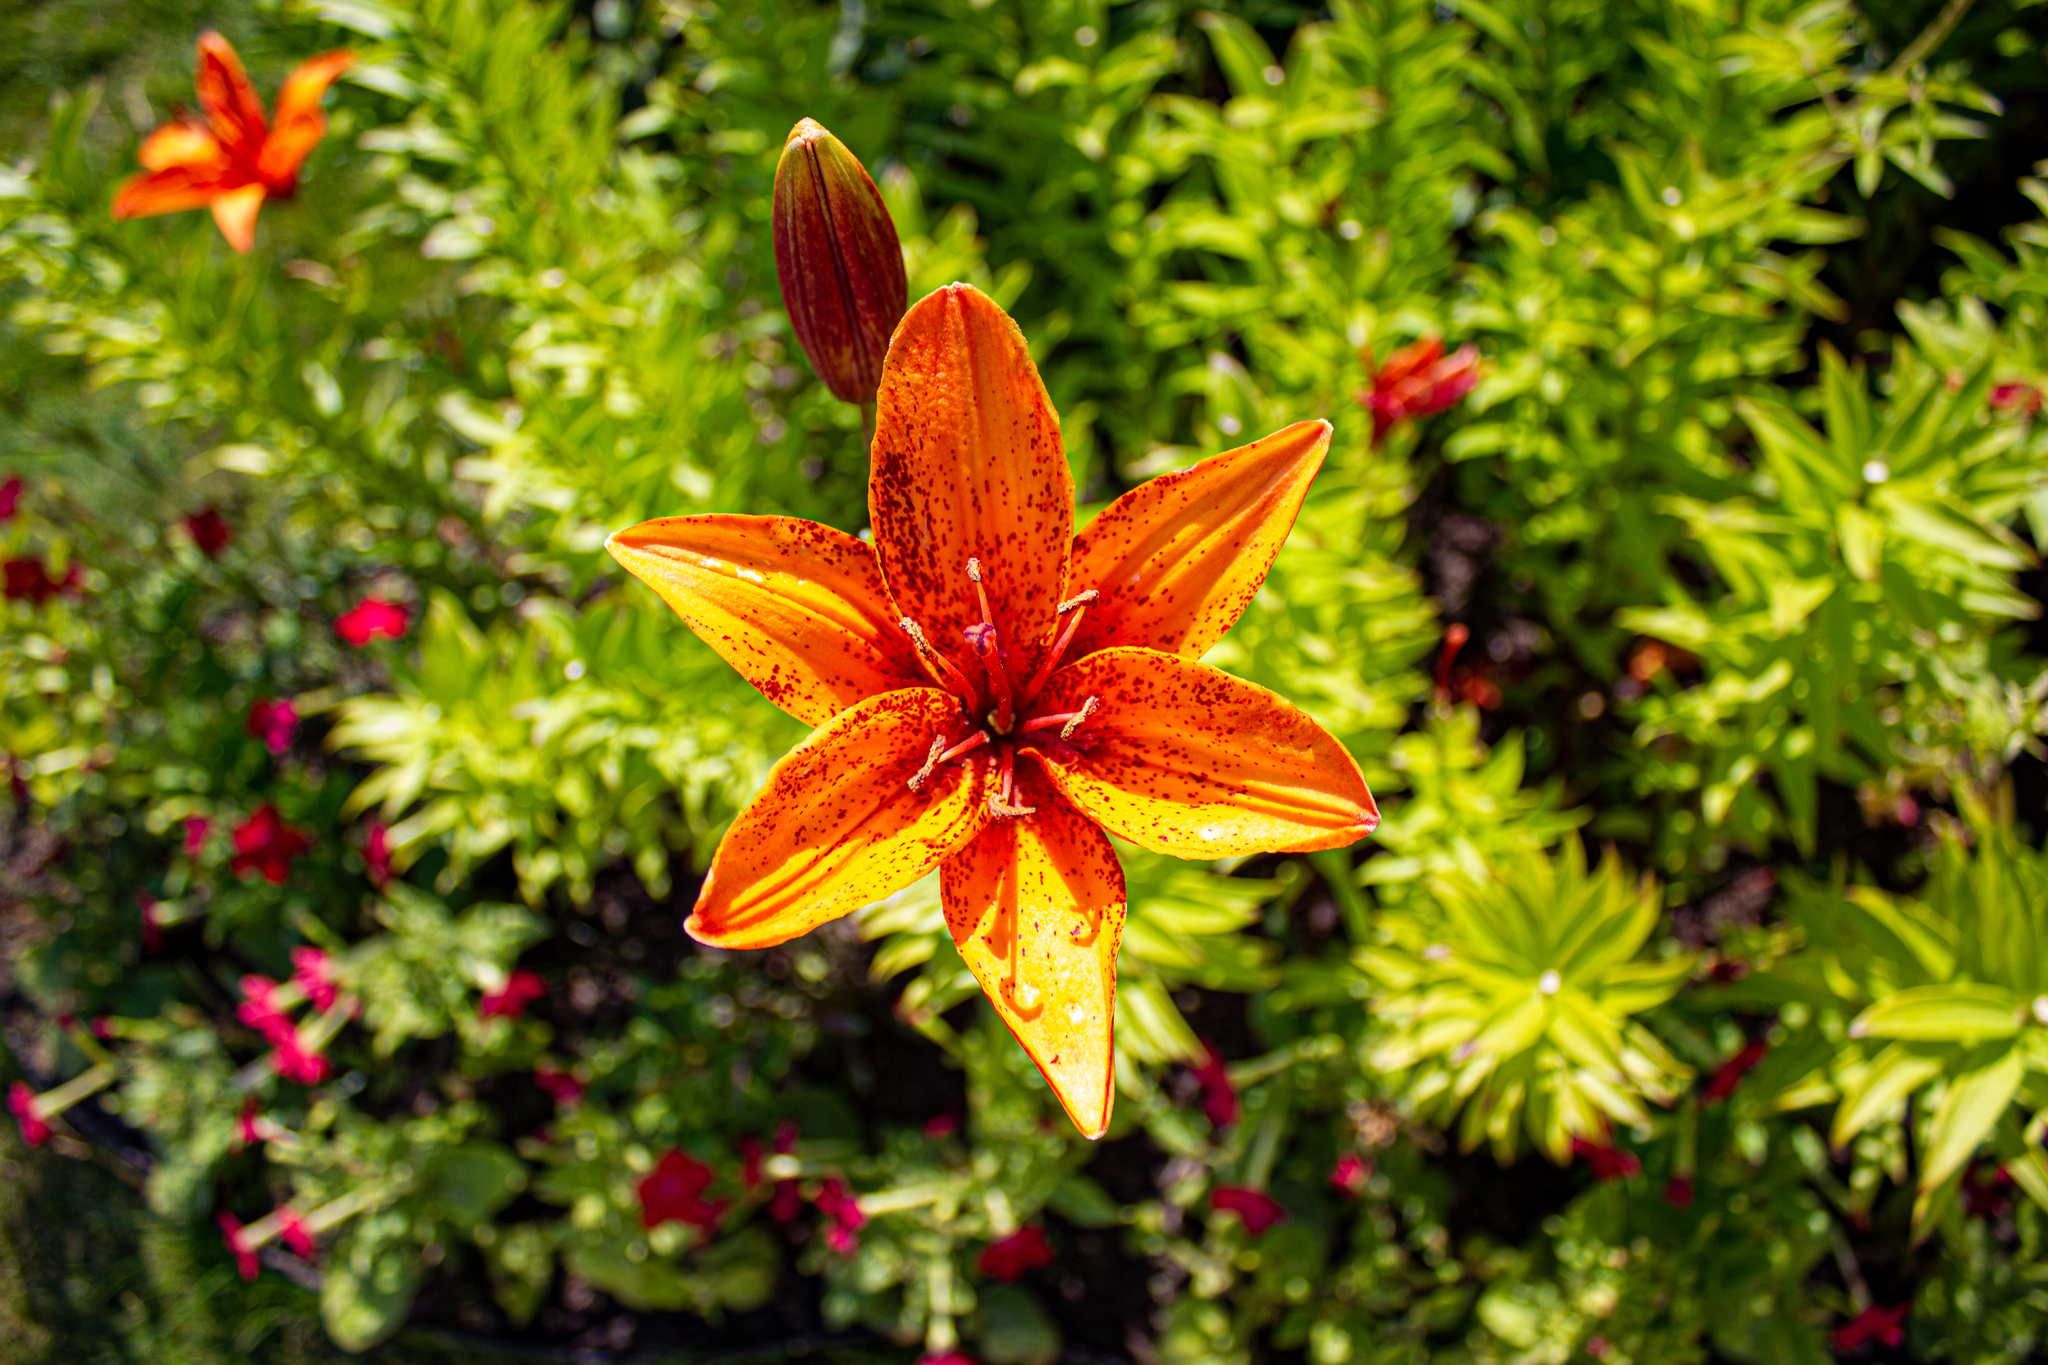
[1742,521]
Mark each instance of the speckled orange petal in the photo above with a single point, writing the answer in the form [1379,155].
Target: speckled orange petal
[234,212]
[232,109]
[797,607]
[185,143]
[837,825]
[1184,759]
[172,190]
[1036,906]
[1179,557]
[300,124]
[968,465]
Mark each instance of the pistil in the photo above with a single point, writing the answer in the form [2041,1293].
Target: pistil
[990,648]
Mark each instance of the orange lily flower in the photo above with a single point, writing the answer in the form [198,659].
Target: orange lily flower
[234,158]
[993,692]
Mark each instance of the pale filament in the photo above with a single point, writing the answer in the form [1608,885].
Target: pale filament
[933,759]
[1068,721]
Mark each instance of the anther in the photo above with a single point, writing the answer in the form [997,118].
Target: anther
[999,801]
[1074,721]
[1073,609]
[946,673]
[1077,602]
[931,761]
[980,593]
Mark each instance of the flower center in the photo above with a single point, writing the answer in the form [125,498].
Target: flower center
[1008,714]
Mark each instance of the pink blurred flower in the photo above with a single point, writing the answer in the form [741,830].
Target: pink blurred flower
[10,497]
[265,843]
[293,1062]
[1219,1096]
[1258,1209]
[293,1232]
[196,829]
[1886,1326]
[313,973]
[21,1102]
[674,1191]
[260,1011]
[1008,1258]
[2016,394]
[249,1124]
[941,1126]
[273,722]
[843,1212]
[27,580]
[520,990]
[209,532]
[152,928]
[1417,381]
[370,618]
[946,1358]
[245,1255]
[1678,1191]
[377,855]
[1608,1162]
[560,1085]
[1351,1174]
[1730,1073]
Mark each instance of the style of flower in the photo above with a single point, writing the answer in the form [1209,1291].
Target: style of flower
[1255,1208]
[29,580]
[1678,1191]
[1417,381]
[674,1192]
[511,999]
[843,1215]
[1730,1073]
[209,531]
[377,855]
[265,844]
[234,158]
[245,1255]
[313,974]
[152,927]
[1219,1096]
[1351,1174]
[1608,1162]
[21,1102]
[1886,1326]
[197,827]
[273,722]
[370,619]
[1009,1258]
[561,1086]
[993,692]
[10,497]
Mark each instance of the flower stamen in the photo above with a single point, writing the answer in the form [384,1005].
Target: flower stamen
[931,761]
[938,665]
[999,801]
[1073,609]
[1068,721]
[983,638]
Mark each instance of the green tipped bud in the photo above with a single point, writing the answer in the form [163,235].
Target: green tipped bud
[840,264]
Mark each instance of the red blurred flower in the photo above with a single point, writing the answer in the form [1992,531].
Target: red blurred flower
[843,1211]
[1678,1191]
[152,928]
[377,855]
[245,1255]
[292,1062]
[313,973]
[260,1011]
[249,1124]
[1008,1258]
[1416,381]
[21,1102]
[1219,1096]
[196,829]
[947,1358]
[273,722]
[1258,1209]
[520,990]
[265,843]
[2016,394]
[209,532]
[562,1087]
[1608,1162]
[674,1191]
[1351,1174]
[1730,1073]
[789,1196]
[370,618]
[1884,1325]
[26,580]
[1985,1190]
[941,1126]
[10,497]
[293,1232]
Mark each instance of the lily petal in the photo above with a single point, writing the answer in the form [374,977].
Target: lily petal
[1036,906]
[797,607]
[1179,557]
[171,190]
[185,143]
[1184,759]
[232,109]
[300,124]
[234,211]
[968,464]
[837,825]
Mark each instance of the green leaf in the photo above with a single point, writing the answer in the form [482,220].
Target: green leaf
[1960,1012]
[371,1277]
[471,1182]
[1894,1074]
[1973,1104]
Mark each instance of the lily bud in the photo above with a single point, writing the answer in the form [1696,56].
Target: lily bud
[839,261]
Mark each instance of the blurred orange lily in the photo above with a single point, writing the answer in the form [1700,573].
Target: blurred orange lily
[234,158]
[993,692]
